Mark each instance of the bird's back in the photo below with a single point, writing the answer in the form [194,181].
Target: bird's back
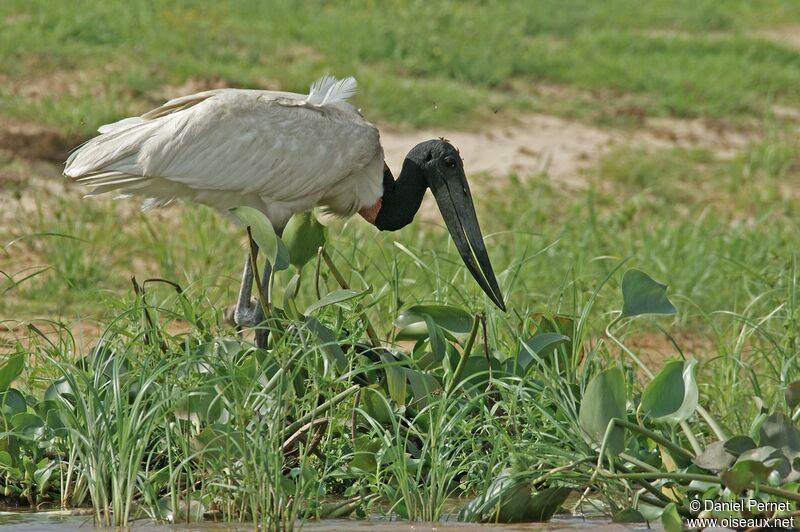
[276,151]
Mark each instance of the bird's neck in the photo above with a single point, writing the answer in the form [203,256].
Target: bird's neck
[401,198]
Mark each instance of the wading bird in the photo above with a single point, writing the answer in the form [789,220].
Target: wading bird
[281,153]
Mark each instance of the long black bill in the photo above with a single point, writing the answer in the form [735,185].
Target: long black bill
[458,211]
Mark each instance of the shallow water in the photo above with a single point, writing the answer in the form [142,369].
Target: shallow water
[67,522]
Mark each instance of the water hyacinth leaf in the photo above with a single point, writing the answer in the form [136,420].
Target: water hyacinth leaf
[650,511]
[290,294]
[59,389]
[642,295]
[328,343]
[264,235]
[204,404]
[478,370]
[376,406]
[395,379]
[6,462]
[28,425]
[12,402]
[714,457]
[672,396]
[336,297]
[780,432]
[503,501]
[736,445]
[604,399]
[41,477]
[364,455]
[451,319]
[423,386]
[628,515]
[10,370]
[670,519]
[769,457]
[545,503]
[415,331]
[438,343]
[793,395]
[303,236]
[742,475]
[541,345]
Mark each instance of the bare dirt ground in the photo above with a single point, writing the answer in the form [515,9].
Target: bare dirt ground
[788,36]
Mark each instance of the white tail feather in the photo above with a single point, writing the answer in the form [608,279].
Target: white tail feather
[328,89]
[125,123]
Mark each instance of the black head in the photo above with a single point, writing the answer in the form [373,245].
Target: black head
[443,170]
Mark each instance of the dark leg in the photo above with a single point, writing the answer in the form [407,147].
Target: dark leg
[244,314]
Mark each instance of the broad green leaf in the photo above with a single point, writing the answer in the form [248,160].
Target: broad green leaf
[12,402]
[423,386]
[508,499]
[28,425]
[10,370]
[670,519]
[452,319]
[376,406]
[742,475]
[364,455]
[218,441]
[714,457]
[477,371]
[42,475]
[60,389]
[545,503]
[436,338]
[541,345]
[672,395]
[642,295]
[204,402]
[503,501]
[736,445]
[303,236]
[328,343]
[628,515]
[793,395]
[415,331]
[264,235]
[6,462]
[649,511]
[289,295]
[395,379]
[334,298]
[780,432]
[604,399]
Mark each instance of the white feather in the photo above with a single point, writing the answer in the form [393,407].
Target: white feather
[125,123]
[231,147]
[329,90]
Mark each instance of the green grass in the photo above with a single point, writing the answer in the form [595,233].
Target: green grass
[718,231]
[146,433]
[77,65]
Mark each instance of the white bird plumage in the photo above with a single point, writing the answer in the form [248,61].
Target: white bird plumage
[279,152]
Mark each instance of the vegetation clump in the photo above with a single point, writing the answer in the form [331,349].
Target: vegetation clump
[449,415]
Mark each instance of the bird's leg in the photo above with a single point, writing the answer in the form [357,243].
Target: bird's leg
[245,313]
[262,333]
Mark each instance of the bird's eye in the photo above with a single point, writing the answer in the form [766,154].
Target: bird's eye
[449,162]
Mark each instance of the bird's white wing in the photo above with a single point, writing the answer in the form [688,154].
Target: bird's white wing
[232,146]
